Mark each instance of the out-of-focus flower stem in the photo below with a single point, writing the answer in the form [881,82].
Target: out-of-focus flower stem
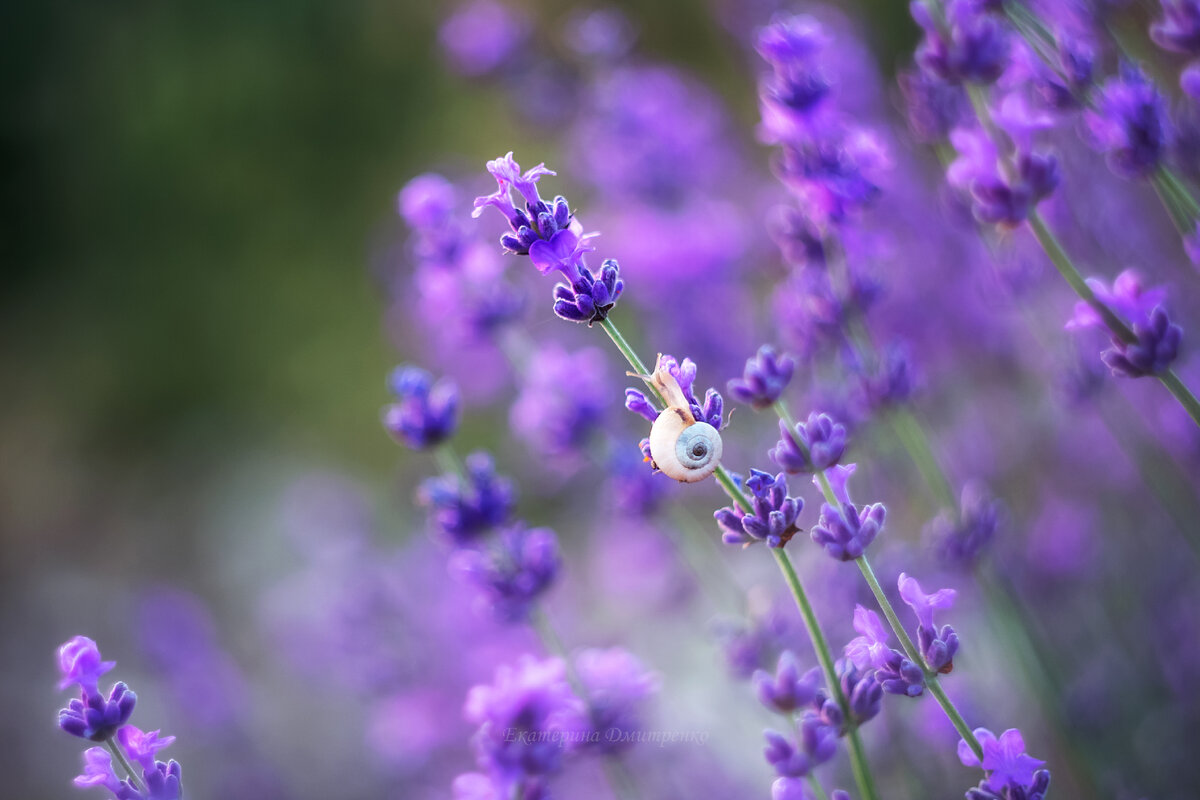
[1066,268]
[858,762]
[1181,206]
[817,789]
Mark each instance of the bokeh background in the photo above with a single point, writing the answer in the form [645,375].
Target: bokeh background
[198,234]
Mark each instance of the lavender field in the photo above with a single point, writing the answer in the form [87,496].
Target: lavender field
[510,401]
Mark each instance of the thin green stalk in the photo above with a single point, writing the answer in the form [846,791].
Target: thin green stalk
[931,681]
[1182,394]
[815,784]
[1066,268]
[858,761]
[630,355]
[912,436]
[115,749]
[448,460]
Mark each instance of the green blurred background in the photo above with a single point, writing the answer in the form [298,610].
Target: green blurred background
[192,194]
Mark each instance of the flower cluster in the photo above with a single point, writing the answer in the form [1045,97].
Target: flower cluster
[106,719]
[1012,773]
[816,718]
[1156,339]
[553,238]
[772,515]
[426,413]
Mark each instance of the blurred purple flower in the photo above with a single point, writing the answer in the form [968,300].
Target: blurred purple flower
[427,412]
[765,377]
[523,716]
[960,539]
[463,509]
[79,662]
[481,36]
[513,571]
[617,687]
[1130,124]
[968,46]
[1179,28]
[563,400]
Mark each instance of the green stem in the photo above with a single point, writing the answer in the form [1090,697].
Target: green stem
[817,789]
[858,762]
[931,681]
[630,356]
[1182,394]
[1066,268]
[916,442]
[447,460]
[115,749]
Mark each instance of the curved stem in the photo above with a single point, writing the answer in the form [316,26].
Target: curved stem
[815,784]
[858,762]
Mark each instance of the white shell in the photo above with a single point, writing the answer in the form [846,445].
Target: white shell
[682,448]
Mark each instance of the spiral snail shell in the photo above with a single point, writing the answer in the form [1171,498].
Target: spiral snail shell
[681,446]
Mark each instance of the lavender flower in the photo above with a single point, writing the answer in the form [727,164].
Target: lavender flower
[792,97]
[997,196]
[106,719]
[95,717]
[616,686]
[465,509]
[969,46]
[765,378]
[937,646]
[563,401]
[816,743]
[1157,339]
[684,373]
[812,446]
[1179,29]
[864,697]
[1155,348]
[589,297]
[482,36]
[772,517]
[870,651]
[427,412]
[523,717]
[515,570]
[80,663]
[787,690]
[1130,124]
[960,539]
[1007,764]
[91,716]
[847,531]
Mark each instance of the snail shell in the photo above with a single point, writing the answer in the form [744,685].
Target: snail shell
[683,448]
